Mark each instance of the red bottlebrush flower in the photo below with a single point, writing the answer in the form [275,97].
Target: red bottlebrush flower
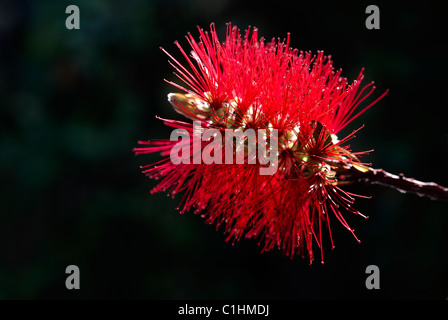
[246,83]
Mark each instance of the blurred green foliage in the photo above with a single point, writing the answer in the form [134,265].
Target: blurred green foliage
[73,104]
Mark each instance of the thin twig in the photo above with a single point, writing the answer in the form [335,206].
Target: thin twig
[399,182]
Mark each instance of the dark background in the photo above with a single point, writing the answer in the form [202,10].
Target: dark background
[73,104]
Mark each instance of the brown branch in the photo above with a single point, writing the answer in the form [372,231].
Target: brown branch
[399,182]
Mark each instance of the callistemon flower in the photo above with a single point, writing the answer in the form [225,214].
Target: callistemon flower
[247,83]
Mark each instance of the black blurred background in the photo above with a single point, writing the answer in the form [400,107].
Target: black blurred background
[73,104]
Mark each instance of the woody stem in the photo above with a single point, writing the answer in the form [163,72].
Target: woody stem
[399,182]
